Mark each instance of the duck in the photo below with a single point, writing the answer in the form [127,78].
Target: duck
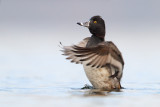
[102,61]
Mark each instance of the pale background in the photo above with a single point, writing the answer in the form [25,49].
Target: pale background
[31,63]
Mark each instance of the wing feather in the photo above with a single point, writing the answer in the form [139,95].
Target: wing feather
[97,56]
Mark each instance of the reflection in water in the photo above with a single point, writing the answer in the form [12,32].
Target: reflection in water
[89,92]
[98,92]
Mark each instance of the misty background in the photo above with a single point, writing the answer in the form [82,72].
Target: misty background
[30,32]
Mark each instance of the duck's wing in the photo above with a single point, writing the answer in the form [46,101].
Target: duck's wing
[68,51]
[98,56]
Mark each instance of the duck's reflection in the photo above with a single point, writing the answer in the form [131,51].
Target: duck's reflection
[99,92]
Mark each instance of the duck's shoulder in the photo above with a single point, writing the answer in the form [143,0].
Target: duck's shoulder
[109,44]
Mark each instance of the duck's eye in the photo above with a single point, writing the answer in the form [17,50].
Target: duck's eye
[95,22]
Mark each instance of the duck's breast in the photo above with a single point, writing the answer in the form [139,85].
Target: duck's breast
[100,77]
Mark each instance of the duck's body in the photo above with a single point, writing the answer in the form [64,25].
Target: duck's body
[100,77]
[102,61]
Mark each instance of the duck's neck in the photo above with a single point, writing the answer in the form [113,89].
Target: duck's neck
[94,40]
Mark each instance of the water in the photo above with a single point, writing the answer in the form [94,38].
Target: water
[40,92]
[67,95]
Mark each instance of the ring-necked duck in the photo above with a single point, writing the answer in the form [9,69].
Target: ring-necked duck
[102,61]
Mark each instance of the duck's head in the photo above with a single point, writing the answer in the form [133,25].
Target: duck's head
[96,26]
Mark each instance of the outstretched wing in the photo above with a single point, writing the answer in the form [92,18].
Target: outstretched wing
[98,56]
[68,51]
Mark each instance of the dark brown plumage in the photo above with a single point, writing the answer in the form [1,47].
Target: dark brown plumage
[101,50]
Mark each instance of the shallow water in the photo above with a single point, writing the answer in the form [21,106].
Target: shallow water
[54,94]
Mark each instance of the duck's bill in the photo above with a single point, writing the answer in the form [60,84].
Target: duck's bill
[85,24]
